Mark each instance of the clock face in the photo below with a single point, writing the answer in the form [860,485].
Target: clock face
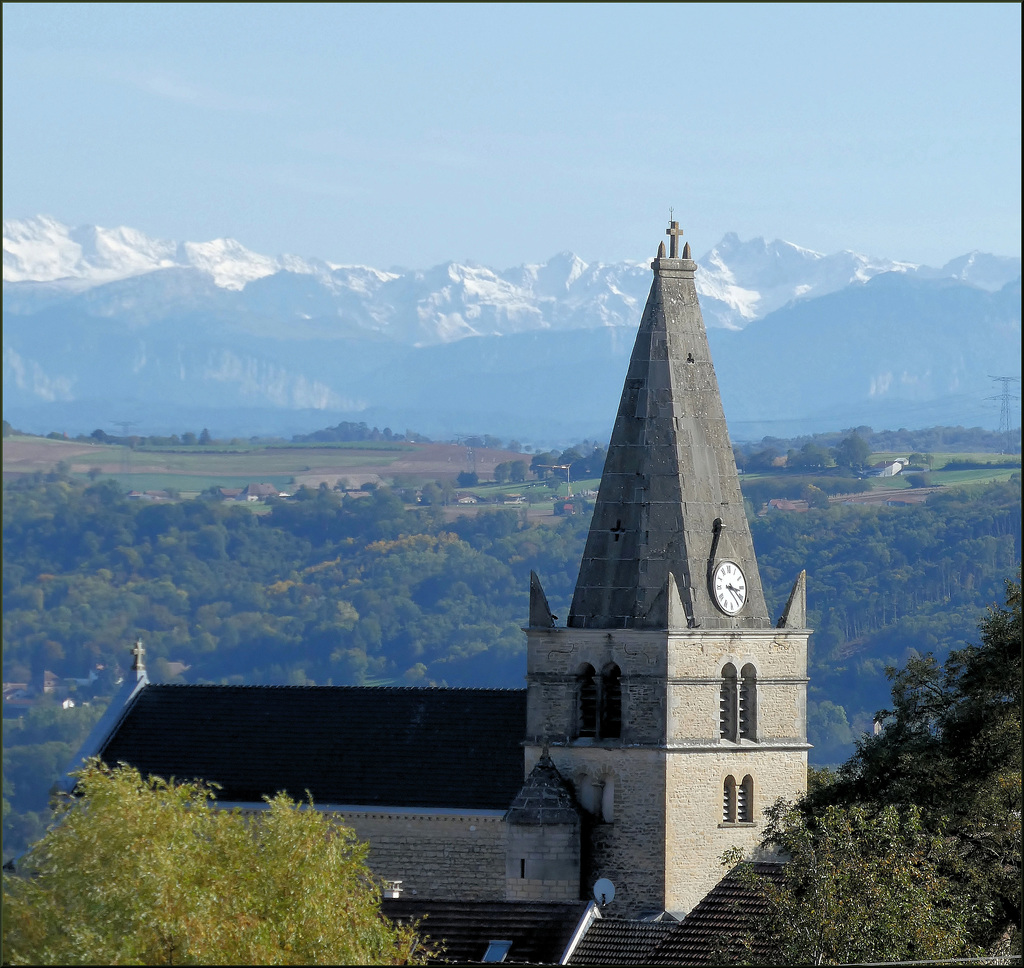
[729,587]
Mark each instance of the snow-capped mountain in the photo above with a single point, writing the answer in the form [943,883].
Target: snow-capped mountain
[42,249]
[99,323]
[738,281]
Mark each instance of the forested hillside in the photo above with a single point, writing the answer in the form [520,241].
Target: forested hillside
[339,589]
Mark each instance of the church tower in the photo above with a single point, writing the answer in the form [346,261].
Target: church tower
[670,702]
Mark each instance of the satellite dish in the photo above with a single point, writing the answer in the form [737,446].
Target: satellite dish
[604,891]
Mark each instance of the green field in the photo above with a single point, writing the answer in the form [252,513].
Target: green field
[190,484]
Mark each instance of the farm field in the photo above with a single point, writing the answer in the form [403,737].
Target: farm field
[193,469]
[190,470]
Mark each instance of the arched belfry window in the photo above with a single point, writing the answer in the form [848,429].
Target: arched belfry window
[728,707]
[586,701]
[729,800]
[599,702]
[745,800]
[748,702]
[738,800]
[611,702]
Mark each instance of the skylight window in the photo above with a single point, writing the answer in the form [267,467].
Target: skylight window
[496,952]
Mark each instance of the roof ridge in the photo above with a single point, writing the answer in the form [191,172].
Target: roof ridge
[284,686]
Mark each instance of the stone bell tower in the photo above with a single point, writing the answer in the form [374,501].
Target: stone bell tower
[670,702]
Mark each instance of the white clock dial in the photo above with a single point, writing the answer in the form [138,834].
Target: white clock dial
[729,587]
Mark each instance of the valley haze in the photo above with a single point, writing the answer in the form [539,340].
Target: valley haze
[109,325]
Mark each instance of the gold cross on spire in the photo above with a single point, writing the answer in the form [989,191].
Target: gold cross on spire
[673,231]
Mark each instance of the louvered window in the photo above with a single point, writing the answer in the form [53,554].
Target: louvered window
[729,800]
[586,687]
[748,703]
[611,703]
[728,702]
[744,796]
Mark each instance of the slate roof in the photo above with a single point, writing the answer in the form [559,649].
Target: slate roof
[609,941]
[386,747]
[669,490]
[539,932]
[717,930]
[545,798]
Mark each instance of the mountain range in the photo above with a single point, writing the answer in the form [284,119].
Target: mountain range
[103,326]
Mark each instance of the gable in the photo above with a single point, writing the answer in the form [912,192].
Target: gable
[346,745]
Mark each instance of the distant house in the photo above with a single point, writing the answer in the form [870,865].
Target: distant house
[889,468]
[18,694]
[148,496]
[259,492]
[785,504]
[466,499]
[250,493]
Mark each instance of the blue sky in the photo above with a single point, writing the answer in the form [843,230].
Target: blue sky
[413,134]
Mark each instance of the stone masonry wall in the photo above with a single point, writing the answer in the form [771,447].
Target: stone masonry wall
[434,855]
[624,826]
[697,836]
[543,862]
[695,662]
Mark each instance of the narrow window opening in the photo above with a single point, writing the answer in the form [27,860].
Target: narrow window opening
[729,800]
[586,689]
[744,800]
[748,703]
[611,703]
[728,703]
[522,868]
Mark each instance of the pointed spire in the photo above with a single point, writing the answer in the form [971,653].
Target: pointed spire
[540,612]
[545,798]
[670,484]
[794,615]
[661,250]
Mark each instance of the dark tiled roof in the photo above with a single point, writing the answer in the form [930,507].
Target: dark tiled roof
[443,748]
[716,932]
[539,932]
[612,942]
[718,929]
[545,798]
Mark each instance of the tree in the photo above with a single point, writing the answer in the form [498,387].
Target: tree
[467,479]
[853,452]
[204,437]
[432,494]
[951,748]
[142,871]
[858,887]
[809,457]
